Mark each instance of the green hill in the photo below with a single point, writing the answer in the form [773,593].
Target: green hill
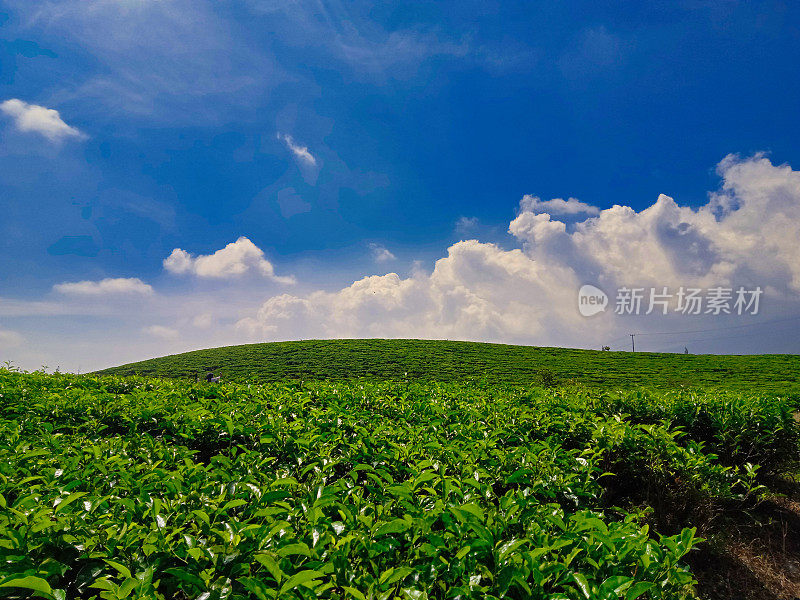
[436,360]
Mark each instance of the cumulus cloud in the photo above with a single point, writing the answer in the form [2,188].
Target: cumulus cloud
[522,292]
[301,153]
[744,235]
[557,206]
[108,286]
[739,236]
[380,253]
[478,291]
[234,260]
[161,332]
[38,119]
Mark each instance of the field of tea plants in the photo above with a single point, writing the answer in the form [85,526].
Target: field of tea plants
[142,488]
[442,360]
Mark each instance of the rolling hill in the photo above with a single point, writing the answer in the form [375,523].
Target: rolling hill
[438,360]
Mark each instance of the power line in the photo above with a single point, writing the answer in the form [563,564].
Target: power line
[723,337]
[714,329]
[759,324]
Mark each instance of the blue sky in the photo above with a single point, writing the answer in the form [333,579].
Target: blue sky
[348,140]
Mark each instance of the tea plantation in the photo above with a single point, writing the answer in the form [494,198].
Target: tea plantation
[131,487]
[439,360]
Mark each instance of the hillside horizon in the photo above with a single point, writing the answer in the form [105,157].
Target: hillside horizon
[445,360]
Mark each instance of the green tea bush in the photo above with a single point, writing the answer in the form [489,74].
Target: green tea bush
[738,427]
[135,488]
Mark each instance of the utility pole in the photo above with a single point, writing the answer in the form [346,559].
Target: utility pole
[633,344]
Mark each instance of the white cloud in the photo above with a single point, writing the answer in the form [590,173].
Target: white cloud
[557,206]
[301,153]
[161,332]
[744,235]
[130,285]
[380,253]
[345,34]
[179,261]
[10,339]
[480,291]
[740,236]
[234,260]
[38,119]
[175,62]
